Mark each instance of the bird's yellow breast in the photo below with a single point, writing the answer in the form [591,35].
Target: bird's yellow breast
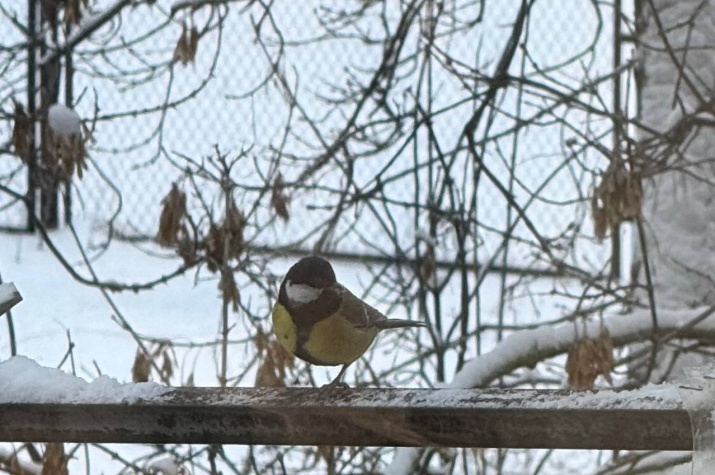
[331,341]
[284,328]
[335,340]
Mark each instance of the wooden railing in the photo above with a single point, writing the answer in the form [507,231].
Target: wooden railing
[628,420]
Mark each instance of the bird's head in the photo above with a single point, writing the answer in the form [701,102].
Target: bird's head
[307,279]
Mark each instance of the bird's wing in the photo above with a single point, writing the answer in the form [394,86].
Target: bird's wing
[358,312]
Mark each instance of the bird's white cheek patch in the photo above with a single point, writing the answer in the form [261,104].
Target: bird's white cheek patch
[302,293]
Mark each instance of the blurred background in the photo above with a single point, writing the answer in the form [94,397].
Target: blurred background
[446,156]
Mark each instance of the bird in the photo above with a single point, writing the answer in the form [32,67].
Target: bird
[321,322]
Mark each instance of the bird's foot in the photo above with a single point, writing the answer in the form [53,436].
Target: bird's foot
[328,388]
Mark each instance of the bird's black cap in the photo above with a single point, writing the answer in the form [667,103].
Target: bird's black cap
[312,270]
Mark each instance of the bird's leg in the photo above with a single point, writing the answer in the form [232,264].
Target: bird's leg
[337,383]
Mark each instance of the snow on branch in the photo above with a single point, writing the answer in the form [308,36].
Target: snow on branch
[9,297]
[64,121]
[528,347]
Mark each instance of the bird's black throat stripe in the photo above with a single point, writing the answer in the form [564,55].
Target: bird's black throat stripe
[306,315]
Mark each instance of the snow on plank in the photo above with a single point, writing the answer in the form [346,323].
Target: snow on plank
[24,381]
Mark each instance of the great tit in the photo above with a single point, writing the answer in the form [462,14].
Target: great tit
[321,322]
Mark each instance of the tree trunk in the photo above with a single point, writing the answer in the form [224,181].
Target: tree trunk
[679,204]
[678,196]
[47,172]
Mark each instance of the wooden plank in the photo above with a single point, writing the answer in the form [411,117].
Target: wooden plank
[366,417]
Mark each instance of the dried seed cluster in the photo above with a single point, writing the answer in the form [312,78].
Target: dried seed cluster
[188,44]
[21,133]
[223,242]
[428,266]
[71,10]
[173,212]
[276,362]
[616,199]
[589,358]
[160,355]
[279,199]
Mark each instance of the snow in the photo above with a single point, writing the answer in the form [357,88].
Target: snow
[404,461]
[526,347]
[64,121]
[28,466]
[165,465]
[651,397]
[25,381]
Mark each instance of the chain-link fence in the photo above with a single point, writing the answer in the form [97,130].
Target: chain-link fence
[381,93]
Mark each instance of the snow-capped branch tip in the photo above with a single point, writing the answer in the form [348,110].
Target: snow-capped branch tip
[9,297]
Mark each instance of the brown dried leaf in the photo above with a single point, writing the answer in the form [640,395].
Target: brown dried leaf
[187,46]
[71,154]
[235,224]
[49,11]
[276,362]
[180,48]
[283,360]
[172,213]
[158,349]
[54,461]
[266,376]
[589,358]
[279,200]
[261,340]
[604,355]
[229,289]
[73,12]
[193,45]
[428,265]
[190,381]
[600,220]
[167,367]
[617,198]
[186,247]
[141,370]
[214,248]
[21,133]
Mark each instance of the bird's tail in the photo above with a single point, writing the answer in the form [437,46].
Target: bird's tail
[397,323]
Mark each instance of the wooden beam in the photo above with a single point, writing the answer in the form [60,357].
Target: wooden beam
[366,417]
